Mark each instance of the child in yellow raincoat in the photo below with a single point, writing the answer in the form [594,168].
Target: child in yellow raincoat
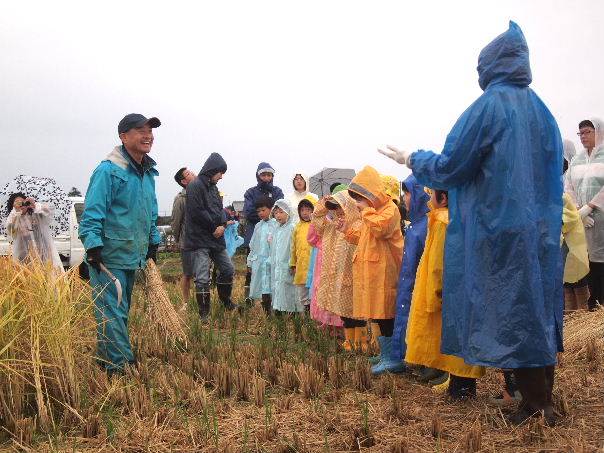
[576,265]
[300,254]
[377,259]
[425,318]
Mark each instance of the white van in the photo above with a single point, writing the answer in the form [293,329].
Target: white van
[69,246]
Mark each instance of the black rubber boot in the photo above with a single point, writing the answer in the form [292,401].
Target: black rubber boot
[461,388]
[535,388]
[267,303]
[428,374]
[224,294]
[248,301]
[203,302]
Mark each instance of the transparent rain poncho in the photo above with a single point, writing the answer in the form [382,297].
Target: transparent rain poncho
[584,182]
[31,235]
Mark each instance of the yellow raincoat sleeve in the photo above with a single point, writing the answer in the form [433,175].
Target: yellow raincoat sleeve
[383,223]
[577,262]
[293,255]
[434,285]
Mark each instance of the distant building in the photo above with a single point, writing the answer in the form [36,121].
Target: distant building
[238,206]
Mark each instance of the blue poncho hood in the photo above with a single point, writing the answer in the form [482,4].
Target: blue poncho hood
[505,59]
[419,199]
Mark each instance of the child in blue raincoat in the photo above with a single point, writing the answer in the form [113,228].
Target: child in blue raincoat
[284,292]
[258,260]
[416,205]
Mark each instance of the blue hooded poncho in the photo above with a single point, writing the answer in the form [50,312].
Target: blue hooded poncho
[415,240]
[501,164]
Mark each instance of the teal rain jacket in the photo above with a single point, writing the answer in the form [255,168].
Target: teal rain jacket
[120,211]
[259,258]
[501,164]
[285,296]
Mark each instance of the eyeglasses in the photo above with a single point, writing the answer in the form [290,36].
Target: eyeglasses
[582,133]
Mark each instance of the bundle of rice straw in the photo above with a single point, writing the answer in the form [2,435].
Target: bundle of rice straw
[160,307]
[581,327]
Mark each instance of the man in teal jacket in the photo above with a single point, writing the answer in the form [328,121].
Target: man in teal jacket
[119,232]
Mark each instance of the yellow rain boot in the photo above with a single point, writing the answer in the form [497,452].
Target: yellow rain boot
[441,388]
[361,341]
[349,338]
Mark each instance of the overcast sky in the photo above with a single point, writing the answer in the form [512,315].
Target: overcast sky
[302,85]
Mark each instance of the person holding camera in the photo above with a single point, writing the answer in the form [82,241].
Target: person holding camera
[119,232]
[28,228]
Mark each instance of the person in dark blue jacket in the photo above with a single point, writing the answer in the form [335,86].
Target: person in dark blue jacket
[119,233]
[263,189]
[502,278]
[205,223]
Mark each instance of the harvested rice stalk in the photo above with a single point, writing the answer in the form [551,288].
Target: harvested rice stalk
[258,389]
[473,438]
[582,328]
[288,377]
[400,446]
[160,307]
[311,381]
[362,375]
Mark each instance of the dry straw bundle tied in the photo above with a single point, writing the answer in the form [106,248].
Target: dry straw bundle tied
[160,307]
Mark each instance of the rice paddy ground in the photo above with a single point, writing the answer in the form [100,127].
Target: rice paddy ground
[247,383]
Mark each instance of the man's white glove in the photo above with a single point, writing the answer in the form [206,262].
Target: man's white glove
[402,157]
[588,222]
[585,211]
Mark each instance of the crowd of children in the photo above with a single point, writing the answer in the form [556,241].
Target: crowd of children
[341,259]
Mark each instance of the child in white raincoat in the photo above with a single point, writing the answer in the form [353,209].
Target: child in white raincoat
[282,280]
[28,228]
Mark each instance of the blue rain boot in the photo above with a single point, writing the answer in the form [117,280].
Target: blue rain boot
[387,364]
[378,368]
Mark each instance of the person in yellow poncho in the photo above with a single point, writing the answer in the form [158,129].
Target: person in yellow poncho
[300,252]
[377,259]
[576,265]
[425,318]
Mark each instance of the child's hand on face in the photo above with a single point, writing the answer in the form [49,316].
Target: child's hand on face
[340,224]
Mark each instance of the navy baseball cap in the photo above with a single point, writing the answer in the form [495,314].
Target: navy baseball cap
[133,120]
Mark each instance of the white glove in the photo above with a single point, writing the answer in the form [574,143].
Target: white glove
[588,222]
[402,157]
[585,211]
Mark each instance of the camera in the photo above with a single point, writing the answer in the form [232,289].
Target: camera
[26,203]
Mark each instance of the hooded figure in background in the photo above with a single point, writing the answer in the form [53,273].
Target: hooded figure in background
[584,182]
[300,185]
[204,235]
[501,164]
[416,200]
[569,152]
[263,188]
